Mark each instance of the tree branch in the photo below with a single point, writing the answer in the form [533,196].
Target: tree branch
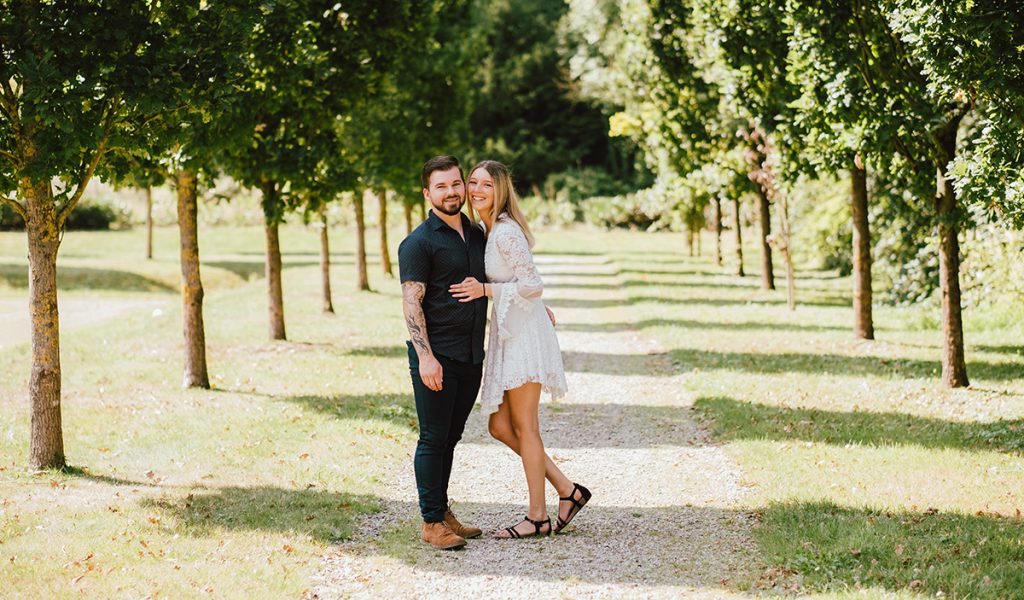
[90,168]
[9,108]
[14,159]
[15,206]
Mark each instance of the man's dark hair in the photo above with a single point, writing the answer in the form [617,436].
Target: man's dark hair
[439,163]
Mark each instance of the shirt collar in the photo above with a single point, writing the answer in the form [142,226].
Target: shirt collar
[437,224]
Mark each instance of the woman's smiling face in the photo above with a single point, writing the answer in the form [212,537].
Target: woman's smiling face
[481,190]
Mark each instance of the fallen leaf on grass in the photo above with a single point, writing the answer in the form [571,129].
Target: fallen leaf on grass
[287,548]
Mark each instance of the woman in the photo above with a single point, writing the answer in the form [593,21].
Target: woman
[522,350]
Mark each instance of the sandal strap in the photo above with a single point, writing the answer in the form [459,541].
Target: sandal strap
[512,532]
[577,505]
[538,525]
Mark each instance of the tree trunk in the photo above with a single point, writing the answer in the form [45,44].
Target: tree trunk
[737,225]
[275,295]
[325,263]
[785,241]
[191,284]
[696,234]
[954,367]
[863,324]
[363,282]
[385,256]
[767,272]
[149,222]
[692,240]
[408,217]
[423,210]
[46,438]
[716,206]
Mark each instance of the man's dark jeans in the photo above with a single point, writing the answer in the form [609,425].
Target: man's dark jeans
[442,418]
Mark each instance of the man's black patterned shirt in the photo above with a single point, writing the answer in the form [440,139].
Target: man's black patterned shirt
[436,255]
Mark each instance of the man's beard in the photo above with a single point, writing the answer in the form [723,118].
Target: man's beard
[451,212]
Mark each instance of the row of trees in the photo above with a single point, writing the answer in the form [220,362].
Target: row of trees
[300,99]
[920,101]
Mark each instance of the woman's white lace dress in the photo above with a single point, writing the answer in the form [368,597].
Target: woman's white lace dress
[521,345]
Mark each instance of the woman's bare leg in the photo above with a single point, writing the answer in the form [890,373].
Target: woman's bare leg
[500,427]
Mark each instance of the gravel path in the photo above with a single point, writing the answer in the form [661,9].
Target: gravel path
[665,520]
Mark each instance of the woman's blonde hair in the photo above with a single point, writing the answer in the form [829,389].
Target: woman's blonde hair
[506,200]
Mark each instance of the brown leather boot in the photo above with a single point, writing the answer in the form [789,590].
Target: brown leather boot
[458,528]
[440,536]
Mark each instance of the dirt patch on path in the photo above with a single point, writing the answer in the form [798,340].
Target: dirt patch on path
[666,519]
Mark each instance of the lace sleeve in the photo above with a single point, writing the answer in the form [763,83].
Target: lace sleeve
[514,249]
[513,300]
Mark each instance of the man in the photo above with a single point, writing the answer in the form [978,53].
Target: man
[446,340]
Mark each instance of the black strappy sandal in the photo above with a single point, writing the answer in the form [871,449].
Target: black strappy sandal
[537,526]
[577,506]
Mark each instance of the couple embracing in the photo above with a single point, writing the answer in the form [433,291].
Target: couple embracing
[449,268]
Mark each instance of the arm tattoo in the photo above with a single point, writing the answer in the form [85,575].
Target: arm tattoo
[415,321]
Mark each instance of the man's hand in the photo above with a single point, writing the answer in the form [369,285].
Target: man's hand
[431,372]
[412,306]
[551,315]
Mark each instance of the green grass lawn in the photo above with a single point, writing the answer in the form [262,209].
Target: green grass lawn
[172,492]
[864,471]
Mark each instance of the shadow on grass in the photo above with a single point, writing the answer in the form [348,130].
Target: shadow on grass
[571,253]
[562,272]
[582,286]
[584,303]
[692,359]
[322,515]
[1010,349]
[819,300]
[683,301]
[393,408]
[836,549]
[380,351]
[85,473]
[695,324]
[736,420]
[685,271]
[251,270]
[246,270]
[813,295]
[86,278]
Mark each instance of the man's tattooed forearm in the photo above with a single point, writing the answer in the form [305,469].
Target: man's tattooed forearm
[412,306]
